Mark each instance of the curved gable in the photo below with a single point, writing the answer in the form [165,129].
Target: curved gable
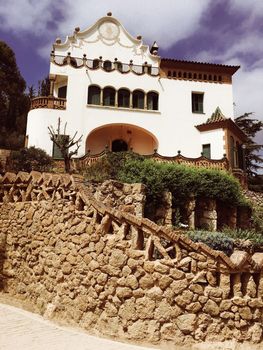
[108,39]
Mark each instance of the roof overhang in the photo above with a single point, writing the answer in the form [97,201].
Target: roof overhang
[198,66]
[224,124]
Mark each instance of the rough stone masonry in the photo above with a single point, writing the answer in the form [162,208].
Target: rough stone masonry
[117,274]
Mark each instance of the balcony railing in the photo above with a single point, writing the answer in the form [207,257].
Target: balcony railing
[105,65]
[200,162]
[50,102]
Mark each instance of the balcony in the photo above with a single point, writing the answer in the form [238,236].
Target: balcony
[49,102]
[106,65]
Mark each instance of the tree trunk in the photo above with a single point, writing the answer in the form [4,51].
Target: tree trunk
[67,164]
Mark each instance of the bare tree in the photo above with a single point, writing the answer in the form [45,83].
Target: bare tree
[64,142]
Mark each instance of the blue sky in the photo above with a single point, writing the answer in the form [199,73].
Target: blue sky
[219,31]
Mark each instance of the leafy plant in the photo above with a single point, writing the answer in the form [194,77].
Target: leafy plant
[28,159]
[215,240]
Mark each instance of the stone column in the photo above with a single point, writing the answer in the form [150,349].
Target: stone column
[190,211]
[224,284]
[163,214]
[208,219]
[237,285]
[232,217]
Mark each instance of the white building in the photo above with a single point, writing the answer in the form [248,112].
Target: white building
[116,92]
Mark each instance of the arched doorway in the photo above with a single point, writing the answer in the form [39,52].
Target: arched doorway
[119,146]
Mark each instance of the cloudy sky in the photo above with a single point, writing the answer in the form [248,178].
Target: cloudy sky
[217,31]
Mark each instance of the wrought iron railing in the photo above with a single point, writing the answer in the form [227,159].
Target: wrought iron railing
[106,65]
[50,102]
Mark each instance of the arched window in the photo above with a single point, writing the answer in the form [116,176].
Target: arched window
[174,74]
[107,65]
[95,64]
[169,73]
[124,98]
[152,101]
[138,99]
[94,95]
[109,96]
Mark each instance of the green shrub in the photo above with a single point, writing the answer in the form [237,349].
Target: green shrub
[255,237]
[28,159]
[182,181]
[215,240]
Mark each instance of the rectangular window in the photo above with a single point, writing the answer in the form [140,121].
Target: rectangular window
[62,92]
[56,153]
[206,150]
[197,102]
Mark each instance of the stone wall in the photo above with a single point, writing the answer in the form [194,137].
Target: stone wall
[119,275]
[4,154]
[129,198]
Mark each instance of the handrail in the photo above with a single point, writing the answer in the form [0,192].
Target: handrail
[200,162]
[94,64]
[50,102]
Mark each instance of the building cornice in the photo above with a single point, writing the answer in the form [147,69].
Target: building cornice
[198,66]
[223,124]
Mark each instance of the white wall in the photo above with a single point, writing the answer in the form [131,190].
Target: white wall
[173,125]
[216,139]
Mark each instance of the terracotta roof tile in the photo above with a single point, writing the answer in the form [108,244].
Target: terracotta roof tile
[217,116]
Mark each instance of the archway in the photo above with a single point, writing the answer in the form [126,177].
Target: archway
[121,137]
[119,146]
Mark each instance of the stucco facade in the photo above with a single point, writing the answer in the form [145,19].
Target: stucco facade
[161,116]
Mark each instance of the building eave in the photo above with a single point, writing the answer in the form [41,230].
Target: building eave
[224,124]
[181,64]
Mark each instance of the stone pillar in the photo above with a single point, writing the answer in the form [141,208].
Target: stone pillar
[116,98]
[145,100]
[208,219]
[164,213]
[224,284]
[237,285]
[190,212]
[243,217]
[101,97]
[251,287]
[51,89]
[131,100]
[232,217]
